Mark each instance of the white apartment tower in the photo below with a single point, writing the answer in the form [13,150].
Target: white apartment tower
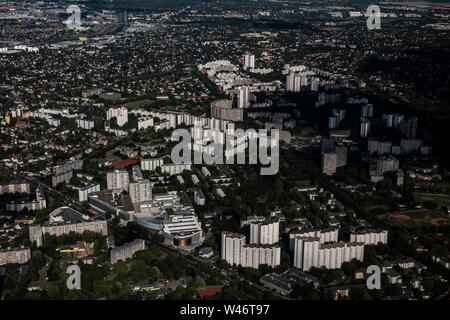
[140,191]
[329,163]
[231,246]
[365,127]
[308,253]
[265,233]
[248,61]
[117,179]
[254,255]
[85,124]
[243,97]
[295,81]
[121,115]
[367,110]
[325,235]
[370,237]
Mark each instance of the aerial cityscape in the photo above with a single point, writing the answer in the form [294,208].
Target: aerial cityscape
[270,150]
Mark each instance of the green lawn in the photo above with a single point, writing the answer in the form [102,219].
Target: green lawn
[441,199]
[111,157]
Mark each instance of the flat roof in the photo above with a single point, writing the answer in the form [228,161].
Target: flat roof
[108,196]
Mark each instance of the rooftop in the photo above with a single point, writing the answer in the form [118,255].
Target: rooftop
[67,215]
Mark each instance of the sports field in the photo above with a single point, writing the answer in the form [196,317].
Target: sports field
[415,218]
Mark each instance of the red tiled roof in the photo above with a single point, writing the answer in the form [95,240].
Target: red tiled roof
[208,291]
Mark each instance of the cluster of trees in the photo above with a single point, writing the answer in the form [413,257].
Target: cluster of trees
[130,232]
[309,292]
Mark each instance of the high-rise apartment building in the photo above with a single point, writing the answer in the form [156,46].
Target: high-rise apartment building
[370,237]
[248,61]
[341,156]
[380,147]
[267,232]
[117,179]
[333,122]
[329,163]
[222,109]
[85,123]
[308,253]
[254,255]
[367,111]
[236,252]
[412,127]
[325,235]
[121,115]
[231,246]
[365,127]
[140,191]
[327,145]
[242,97]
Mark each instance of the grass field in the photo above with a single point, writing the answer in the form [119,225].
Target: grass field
[111,157]
[441,199]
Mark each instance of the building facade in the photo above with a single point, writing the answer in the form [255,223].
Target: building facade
[151,164]
[117,179]
[127,250]
[370,237]
[254,255]
[140,191]
[308,253]
[15,255]
[231,246]
[325,235]
[329,163]
[267,232]
[17,187]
